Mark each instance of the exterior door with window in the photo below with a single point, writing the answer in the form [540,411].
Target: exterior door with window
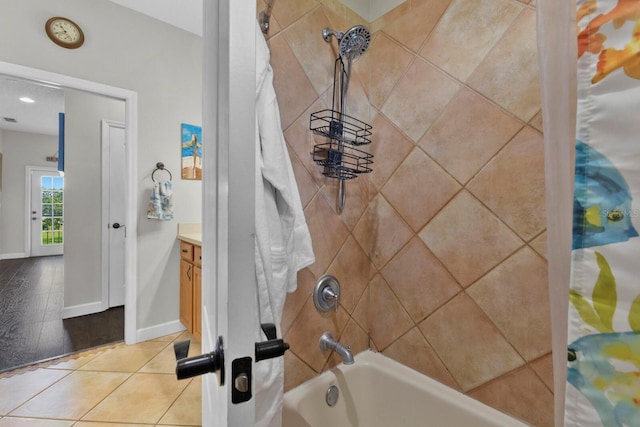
[46,212]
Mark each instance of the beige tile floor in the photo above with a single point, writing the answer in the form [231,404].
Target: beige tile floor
[114,386]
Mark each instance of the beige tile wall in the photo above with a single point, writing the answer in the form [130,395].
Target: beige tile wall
[441,250]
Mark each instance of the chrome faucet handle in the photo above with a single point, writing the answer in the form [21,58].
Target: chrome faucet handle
[326,293]
[331,296]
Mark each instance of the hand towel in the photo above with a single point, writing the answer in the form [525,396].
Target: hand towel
[161,202]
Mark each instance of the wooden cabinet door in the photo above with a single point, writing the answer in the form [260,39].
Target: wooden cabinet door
[186,294]
[197,302]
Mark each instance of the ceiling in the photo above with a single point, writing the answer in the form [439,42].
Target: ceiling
[41,116]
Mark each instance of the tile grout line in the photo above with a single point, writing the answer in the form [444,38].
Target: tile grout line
[79,369]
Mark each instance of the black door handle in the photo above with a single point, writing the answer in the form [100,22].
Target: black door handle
[117,225]
[273,347]
[188,367]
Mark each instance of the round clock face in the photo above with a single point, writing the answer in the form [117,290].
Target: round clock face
[64,32]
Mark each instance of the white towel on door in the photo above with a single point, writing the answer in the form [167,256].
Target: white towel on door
[283,241]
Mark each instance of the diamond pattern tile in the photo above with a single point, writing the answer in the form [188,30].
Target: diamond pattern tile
[415,26]
[389,148]
[468,238]
[295,300]
[419,280]
[328,233]
[419,98]
[468,31]
[521,394]
[288,11]
[295,91]
[515,296]
[390,320]
[468,134]
[295,371]
[539,244]
[381,231]
[468,343]
[512,185]
[508,75]
[315,55]
[419,189]
[351,268]
[413,350]
[391,63]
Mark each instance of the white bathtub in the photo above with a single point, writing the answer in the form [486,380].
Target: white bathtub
[378,392]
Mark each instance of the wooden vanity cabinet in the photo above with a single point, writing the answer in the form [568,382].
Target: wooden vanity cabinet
[191,288]
[197,292]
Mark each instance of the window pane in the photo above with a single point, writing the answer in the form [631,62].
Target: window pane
[47,197]
[57,237]
[57,209]
[47,238]
[46,224]
[57,196]
[58,223]
[46,182]
[58,183]
[47,210]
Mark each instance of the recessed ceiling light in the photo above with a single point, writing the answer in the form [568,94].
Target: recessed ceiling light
[27,100]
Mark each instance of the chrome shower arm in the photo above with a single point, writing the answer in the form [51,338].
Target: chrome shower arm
[265,16]
[328,32]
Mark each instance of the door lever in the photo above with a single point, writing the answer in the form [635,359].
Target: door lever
[117,225]
[273,347]
[187,367]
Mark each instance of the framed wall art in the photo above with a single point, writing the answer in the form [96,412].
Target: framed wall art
[191,152]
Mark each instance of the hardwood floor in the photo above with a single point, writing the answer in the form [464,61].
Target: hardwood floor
[31,325]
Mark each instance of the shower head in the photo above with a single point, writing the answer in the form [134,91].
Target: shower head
[351,43]
[354,42]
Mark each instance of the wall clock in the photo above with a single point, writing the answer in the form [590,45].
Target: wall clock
[64,32]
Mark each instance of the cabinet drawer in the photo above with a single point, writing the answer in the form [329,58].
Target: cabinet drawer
[197,256]
[186,251]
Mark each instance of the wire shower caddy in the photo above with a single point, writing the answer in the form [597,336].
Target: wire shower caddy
[339,156]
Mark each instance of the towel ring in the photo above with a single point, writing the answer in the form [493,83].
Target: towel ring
[160,166]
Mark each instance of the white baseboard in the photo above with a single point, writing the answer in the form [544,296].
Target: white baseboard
[13,256]
[82,309]
[161,330]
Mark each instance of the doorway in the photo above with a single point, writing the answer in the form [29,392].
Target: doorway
[46,211]
[129,173]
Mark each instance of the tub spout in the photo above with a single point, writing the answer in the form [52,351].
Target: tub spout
[327,342]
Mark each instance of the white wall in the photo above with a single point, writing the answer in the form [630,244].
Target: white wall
[164,66]
[20,149]
[82,196]
[0,175]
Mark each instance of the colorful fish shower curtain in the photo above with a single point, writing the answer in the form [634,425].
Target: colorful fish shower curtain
[603,370]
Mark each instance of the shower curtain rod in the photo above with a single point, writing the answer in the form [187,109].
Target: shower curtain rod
[265,16]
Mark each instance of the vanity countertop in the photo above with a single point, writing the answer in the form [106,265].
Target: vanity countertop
[190,233]
[193,238]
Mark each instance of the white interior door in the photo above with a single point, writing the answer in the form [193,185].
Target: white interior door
[228,286]
[46,211]
[114,211]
